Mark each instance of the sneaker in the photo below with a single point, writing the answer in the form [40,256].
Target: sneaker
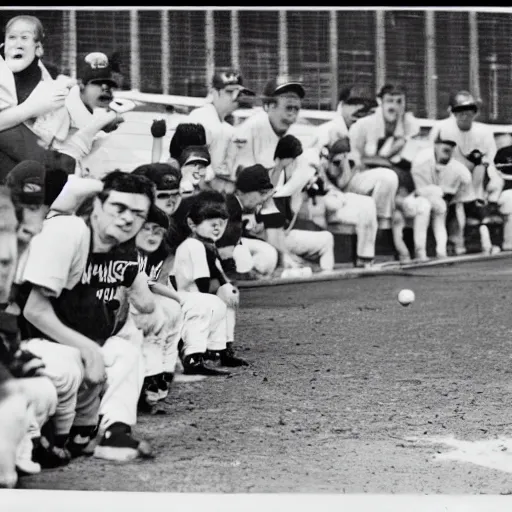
[82,441]
[24,462]
[163,382]
[226,357]
[149,395]
[50,456]
[196,364]
[118,444]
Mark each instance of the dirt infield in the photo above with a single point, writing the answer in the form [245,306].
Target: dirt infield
[342,376]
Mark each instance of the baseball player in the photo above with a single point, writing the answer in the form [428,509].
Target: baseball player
[476,150]
[330,203]
[226,94]
[503,163]
[354,103]
[443,181]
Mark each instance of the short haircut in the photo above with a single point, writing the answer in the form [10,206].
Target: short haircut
[38,26]
[130,183]
[207,204]
[288,146]
[392,89]
[186,134]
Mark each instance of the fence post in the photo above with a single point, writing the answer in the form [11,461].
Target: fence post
[134,51]
[210,47]
[166,52]
[72,44]
[474,62]
[431,67]
[380,49]
[333,44]
[235,41]
[283,44]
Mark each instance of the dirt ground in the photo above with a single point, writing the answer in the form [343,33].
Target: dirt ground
[341,375]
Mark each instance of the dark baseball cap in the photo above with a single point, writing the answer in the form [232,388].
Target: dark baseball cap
[253,179]
[441,139]
[95,68]
[158,216]
[288,146]
[357,95]
[222,79]
[26,182]
[463,100]
[281,85]
[195,155]
[340,146]
[164,176]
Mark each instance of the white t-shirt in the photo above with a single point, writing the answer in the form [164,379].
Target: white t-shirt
[218,135]
[58,254]
[190,263]
[253,142]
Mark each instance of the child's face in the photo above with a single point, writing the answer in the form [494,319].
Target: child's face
[20,45]
[150,237]
[211,228]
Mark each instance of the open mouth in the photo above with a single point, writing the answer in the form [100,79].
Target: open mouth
[17,56]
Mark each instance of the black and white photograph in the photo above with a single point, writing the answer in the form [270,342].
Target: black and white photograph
[261,253]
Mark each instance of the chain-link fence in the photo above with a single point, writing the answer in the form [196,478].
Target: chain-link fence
[177,51]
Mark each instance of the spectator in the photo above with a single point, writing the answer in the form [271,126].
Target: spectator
[31,102]
[443,181]
[88,277]
[253,188]
[227,92]
[476,150]
[335,205]
[355,102]
[198,267]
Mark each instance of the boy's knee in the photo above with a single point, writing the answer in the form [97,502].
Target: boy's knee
[505,202]
[423,206]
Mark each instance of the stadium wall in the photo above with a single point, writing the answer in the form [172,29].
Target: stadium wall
[174,51]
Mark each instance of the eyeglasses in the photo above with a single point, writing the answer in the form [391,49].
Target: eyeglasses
[338,162]
[153,230]
[119,209]
[167,195]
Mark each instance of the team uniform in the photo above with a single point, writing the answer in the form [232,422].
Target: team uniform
[436,182]
[218,134]
[89,293]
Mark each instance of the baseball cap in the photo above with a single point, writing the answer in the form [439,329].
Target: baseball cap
[357,95]
[26,182]
[222,79]
[503,162]
[280,85]
[340,146]
[158,216]
[195,155]
[440,139]
[463,100]
[164,176]
[253,179]
[95,67]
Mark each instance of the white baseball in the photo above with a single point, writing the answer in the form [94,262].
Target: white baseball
[406,297]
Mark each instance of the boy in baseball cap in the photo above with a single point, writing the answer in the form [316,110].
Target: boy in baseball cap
[166,179]
[193,164]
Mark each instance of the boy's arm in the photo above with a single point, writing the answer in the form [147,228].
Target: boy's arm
[74,193]
[158,131]
[140,294]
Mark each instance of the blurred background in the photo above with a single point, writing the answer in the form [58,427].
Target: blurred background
[432,52]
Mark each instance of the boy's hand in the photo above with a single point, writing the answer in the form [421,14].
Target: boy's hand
[159,128]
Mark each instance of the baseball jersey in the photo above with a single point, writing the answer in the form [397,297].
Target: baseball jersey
[196,260]
[480,137]
[453,178]
[88,290]
[218,135]
[328,133]
[253,142]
